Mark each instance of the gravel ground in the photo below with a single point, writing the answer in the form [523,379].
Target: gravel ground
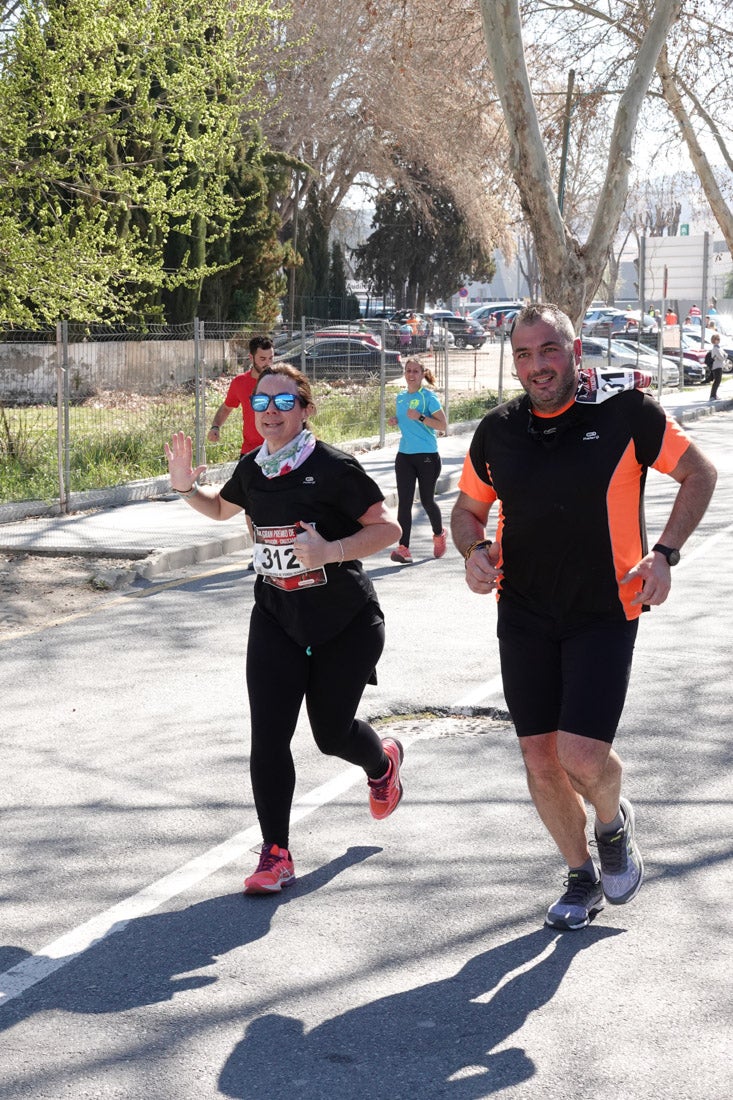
[37,591]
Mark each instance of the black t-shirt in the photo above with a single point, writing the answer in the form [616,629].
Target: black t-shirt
[331,490]
[570,489]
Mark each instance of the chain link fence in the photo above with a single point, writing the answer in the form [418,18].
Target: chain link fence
[85,408]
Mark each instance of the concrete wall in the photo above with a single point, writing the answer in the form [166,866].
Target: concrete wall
[28,370]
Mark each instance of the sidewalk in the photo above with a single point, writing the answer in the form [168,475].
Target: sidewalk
[164,534]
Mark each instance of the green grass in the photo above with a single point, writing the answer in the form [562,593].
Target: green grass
[113,444]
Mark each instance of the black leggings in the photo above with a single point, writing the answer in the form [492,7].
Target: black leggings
[280,674]
[422,469]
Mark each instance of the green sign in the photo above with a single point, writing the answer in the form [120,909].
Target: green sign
[684,231]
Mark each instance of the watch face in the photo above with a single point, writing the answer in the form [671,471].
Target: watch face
[672,556]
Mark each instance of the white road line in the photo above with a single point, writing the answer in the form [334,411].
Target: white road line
[481,693]
[68,947]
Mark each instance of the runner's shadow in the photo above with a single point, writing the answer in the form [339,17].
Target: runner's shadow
[141,962]
[435,1041]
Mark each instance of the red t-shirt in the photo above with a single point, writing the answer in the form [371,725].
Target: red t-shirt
[240,390]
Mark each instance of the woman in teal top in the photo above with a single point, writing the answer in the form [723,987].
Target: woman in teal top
[419,417]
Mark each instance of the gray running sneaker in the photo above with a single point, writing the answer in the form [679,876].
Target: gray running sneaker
[578,905]
[622,868]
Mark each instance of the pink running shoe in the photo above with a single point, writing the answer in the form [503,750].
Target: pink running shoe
[439,544]
[385,793]
[402,555]
[274,871]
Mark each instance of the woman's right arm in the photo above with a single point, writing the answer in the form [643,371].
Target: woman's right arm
[202,498]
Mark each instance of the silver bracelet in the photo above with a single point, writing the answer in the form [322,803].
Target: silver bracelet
[341,548]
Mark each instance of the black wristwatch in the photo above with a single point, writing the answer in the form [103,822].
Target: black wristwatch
[672,556]
[421,419]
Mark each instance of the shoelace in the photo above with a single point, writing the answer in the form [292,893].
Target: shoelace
[612,851]
[578,888]
[268,860]
[380,787]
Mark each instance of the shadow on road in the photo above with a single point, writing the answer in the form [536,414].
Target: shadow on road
[438,1040]
[140,963]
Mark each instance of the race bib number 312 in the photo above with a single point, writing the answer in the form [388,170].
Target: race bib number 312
[274,559]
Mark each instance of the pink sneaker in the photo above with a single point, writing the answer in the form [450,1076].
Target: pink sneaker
[439,544]
[274,871]
[402,555]
[385,793]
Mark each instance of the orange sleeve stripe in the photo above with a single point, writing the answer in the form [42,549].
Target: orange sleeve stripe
[674,445]
[472,485]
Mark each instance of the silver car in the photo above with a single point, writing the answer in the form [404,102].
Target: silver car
[595,353]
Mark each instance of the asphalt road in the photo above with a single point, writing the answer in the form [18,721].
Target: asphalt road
[410,959]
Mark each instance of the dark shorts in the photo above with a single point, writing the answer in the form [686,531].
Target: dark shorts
[564,679]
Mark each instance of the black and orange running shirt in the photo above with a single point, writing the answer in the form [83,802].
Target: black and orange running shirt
[571,499]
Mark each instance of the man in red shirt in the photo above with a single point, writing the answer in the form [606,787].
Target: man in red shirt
[261,355]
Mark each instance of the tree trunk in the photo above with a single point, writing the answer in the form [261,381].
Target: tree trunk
[571,272]
[721,210]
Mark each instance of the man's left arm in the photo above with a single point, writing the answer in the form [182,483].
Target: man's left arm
[696,476]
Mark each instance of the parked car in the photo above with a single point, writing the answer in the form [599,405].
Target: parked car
[693,369]
[382,327]
[347,332]
[595,353]
[467,333]
[442,337]
[693,357]
[345,358]
[603,322]
[695,341]
[490,309]
[610,321]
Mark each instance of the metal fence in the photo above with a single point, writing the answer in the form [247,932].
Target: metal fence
[86,408]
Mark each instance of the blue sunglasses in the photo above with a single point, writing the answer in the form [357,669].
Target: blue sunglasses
[284,402]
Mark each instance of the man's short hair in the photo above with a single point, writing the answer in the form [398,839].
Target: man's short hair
[545,311]
[260,343]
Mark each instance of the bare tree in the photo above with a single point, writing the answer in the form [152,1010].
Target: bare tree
[570,271]
[369,91]
[694,69]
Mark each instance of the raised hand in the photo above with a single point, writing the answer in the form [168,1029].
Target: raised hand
[179,456]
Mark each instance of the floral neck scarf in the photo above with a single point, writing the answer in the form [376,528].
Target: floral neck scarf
[289,457]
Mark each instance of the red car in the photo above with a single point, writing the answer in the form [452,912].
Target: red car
[343,332]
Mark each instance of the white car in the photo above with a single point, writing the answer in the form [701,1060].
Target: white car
[442,337]
[594,353]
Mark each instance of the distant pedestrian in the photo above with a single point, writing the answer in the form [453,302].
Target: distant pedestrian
[419,416]
[716,363]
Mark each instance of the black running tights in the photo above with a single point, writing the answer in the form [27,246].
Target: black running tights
[280,675]
[422,469]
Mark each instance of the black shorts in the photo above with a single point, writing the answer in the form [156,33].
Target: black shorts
[564,679]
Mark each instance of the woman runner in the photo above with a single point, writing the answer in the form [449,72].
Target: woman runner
[316,629]
[419,416]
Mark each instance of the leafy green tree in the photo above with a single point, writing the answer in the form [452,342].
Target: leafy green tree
[247,256]
[419,252]
[120,126]
[343,305]
[312,278]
